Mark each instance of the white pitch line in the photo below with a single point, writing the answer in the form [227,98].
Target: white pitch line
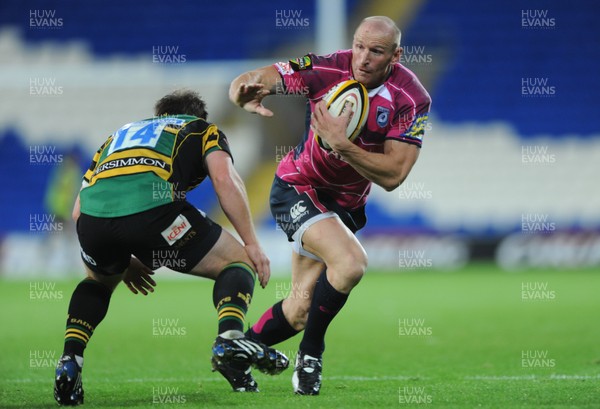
[552,377]
[219,379]
[501,378]
[557,377]
[374,378]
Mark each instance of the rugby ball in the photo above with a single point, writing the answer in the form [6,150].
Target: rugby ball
[355,94]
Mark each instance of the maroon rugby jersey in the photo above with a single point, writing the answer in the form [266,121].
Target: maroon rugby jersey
[398,110]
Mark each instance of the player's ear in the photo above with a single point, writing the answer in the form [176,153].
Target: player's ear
[396,56]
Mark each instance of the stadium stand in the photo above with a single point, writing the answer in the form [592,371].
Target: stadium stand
[474,176]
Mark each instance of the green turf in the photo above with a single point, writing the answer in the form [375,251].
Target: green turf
[475,328]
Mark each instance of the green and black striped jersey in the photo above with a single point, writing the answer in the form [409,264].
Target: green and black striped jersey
[149,163]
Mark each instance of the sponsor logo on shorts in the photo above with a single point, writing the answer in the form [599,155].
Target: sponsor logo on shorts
[297,211]
[87,258]
[176,230]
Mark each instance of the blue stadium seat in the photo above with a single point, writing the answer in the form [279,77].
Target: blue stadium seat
[201,30]
[491,52]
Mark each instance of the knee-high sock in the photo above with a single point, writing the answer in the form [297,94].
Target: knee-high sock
[326,303]
[272,328]
[88,307]
[232,294]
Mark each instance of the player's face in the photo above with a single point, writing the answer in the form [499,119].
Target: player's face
[373,53]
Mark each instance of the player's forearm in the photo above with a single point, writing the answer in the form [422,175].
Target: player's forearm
[379,168]
[234,202]
[267,76]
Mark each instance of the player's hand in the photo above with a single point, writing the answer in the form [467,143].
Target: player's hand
[250,96]
[138,278]
[261,262]
[330,128]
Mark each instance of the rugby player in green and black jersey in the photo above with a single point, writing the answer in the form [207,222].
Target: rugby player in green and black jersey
[132,217]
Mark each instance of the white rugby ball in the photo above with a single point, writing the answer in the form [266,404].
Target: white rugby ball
[355,94]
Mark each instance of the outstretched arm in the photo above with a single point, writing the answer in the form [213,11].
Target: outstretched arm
[234,202]
[249,89]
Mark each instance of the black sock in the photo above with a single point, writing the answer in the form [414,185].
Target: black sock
[326,303]
[232,294]
[88,307]
[272,328]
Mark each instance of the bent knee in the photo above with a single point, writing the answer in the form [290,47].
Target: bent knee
[358,265]
[346,273]
[354,264]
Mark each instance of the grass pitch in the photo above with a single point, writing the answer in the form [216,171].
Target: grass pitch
[474,338]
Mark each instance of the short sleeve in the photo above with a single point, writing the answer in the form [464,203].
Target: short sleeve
[410,122]
[214,140]
[311,75]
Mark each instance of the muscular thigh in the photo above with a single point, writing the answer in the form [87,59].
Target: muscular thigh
[331,240]
[226,250]
[344,256]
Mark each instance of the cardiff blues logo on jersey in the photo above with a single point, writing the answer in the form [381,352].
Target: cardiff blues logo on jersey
[383,115]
